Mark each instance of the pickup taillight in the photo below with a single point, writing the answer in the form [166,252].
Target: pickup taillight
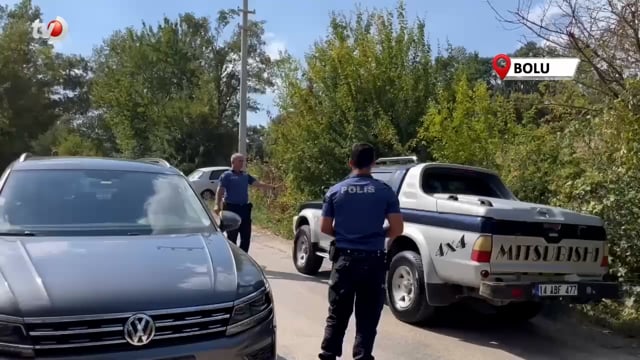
[482,249]
[605,257]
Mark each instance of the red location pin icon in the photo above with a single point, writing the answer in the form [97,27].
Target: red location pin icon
[501,67]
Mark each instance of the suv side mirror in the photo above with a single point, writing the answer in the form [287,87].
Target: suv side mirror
[229,221]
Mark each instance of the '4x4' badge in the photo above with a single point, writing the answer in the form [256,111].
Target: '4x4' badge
[447,247]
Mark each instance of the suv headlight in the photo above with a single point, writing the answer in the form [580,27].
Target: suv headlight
[13,339]
[251,311]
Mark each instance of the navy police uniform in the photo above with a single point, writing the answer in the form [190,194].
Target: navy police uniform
[359,206]
[236,199]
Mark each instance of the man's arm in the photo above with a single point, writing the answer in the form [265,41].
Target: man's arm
[219,197]
[220,193]
[394,216]
[326,224]
[263,186]
[260,185]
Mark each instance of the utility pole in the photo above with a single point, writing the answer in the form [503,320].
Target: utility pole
[242,129]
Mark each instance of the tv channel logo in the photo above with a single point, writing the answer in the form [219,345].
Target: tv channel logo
[54,31]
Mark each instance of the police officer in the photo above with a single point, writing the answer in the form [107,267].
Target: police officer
[353,212]
[233,195]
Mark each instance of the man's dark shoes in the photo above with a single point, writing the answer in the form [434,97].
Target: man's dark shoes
[325,356]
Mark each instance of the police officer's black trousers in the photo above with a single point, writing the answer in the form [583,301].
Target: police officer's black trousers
[244,211]
[360,279]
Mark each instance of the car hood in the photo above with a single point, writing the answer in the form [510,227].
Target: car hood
[60,276]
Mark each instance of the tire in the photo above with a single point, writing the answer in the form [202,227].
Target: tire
[207,195]
[304,256]
[519,312]
[413,307]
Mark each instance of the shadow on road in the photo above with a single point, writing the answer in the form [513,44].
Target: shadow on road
[322,277]
[542,338]
[280,357]
[525,340]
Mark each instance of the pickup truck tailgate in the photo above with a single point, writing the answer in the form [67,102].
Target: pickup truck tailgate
[527,254]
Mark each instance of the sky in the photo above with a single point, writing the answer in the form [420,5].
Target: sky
[290,24]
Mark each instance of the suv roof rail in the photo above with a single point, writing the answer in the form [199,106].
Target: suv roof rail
[398,160]
[24,156]
[158,161]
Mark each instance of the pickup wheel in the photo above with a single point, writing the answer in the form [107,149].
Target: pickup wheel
[406,289]
[519,312]
[305,258]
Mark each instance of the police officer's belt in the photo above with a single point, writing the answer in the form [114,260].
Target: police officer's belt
[237,205]
[361,253]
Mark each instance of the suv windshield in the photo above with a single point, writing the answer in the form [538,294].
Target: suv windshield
[75,202]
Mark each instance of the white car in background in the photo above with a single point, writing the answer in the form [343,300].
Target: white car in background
[205,180]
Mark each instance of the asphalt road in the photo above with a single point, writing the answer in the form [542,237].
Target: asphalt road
[301,308]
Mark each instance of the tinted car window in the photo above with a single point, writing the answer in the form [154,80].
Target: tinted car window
[215,174]
[121,201]
[463,182]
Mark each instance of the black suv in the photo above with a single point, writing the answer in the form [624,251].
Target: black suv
[120,259]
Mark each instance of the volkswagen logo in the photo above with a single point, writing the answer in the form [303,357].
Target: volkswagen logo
[139,329]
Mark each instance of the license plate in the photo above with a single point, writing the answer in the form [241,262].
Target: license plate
[557,290]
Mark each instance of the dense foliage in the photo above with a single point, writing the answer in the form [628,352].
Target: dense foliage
[171,90]
[375,78]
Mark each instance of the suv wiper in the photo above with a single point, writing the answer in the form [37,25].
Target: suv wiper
[17,233]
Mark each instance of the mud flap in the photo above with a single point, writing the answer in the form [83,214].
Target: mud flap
[443,294]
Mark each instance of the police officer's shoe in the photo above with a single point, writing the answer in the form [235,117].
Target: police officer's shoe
[325,356]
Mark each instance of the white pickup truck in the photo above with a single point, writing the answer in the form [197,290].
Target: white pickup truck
[467,237]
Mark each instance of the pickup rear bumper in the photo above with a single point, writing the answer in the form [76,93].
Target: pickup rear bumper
[588,291]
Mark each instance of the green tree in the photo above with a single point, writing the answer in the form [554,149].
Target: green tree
[73,144]
[455,59]
[28,82]
[255,141]
[172,90]
[78,116]
[369,80]
[469,128]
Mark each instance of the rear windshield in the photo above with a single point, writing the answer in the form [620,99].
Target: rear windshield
[110,202]
[383,176]
[463,182]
